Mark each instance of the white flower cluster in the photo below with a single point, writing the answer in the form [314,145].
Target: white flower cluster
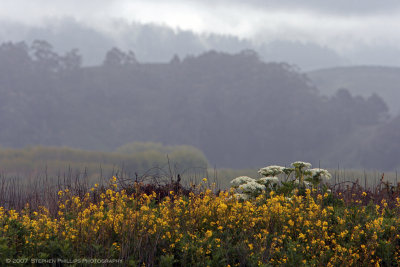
[241,196]
[247,187]
[301,164]
[269,179]
[320,173]
[242,180]
[272,170]
[252,186]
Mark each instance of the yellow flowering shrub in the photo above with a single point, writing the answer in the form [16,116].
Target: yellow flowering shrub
[204,229]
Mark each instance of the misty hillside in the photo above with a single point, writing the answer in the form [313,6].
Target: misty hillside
[155,43]
[361,80]
[237,109]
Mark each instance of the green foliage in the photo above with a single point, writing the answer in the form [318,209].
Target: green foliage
[137,147]
[137,157]
[167,260]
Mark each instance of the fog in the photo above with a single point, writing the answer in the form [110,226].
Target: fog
[355,30]
[244,82]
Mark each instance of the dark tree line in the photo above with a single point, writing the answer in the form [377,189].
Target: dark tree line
[239,110]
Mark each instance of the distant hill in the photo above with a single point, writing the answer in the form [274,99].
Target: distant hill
[155,43]
[237,109]
[361,80]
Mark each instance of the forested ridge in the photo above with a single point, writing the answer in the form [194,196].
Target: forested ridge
[361,80]
[237,109]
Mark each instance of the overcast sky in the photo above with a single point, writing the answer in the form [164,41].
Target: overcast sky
[340,24]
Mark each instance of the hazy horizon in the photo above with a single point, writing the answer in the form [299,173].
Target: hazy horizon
[211,99]
[353,33]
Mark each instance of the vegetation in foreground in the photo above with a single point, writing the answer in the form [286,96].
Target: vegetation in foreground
[148,225]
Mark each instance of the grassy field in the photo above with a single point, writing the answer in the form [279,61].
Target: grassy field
[142,160]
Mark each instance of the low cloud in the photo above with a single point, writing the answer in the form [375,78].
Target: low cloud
[341,25]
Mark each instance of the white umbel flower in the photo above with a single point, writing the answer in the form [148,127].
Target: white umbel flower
[320,173]
[242,180]
[269,179]
[301,164]
[272,170]
[241,196]
[252,186]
